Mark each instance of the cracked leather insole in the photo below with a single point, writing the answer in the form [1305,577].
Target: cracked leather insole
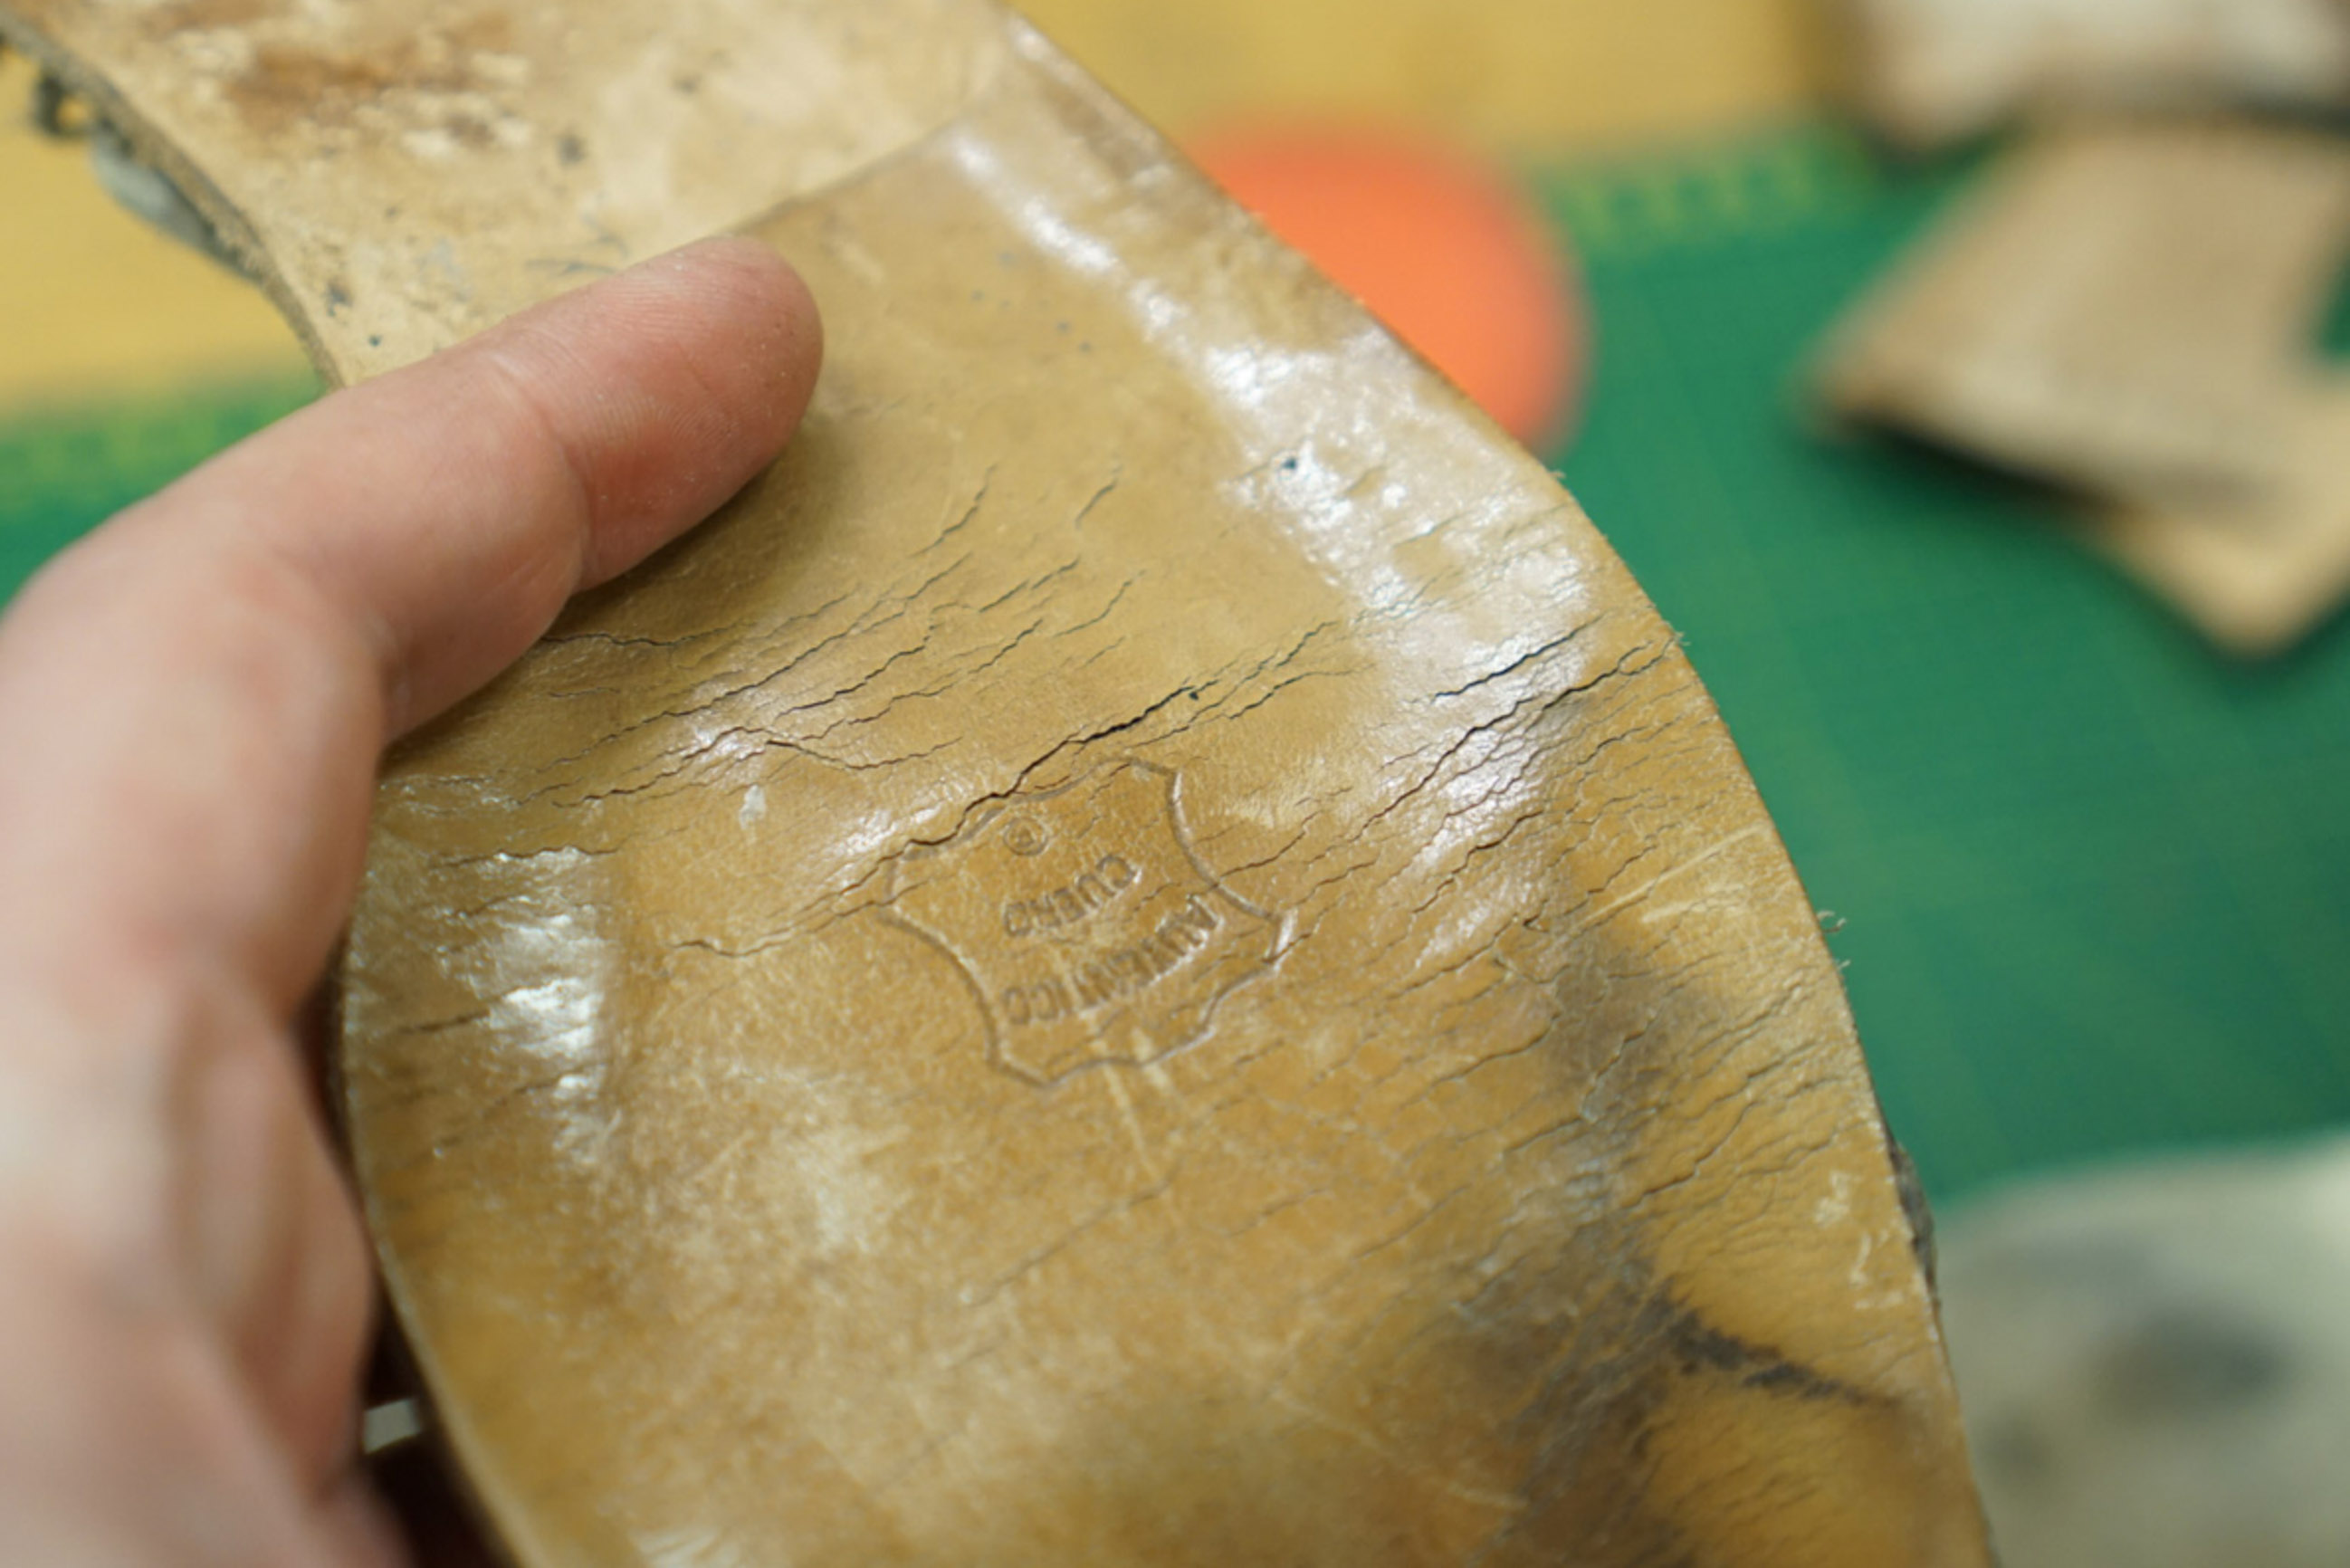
[1145,953]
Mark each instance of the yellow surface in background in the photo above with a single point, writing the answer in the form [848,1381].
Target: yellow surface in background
[1512,73]
[93,303]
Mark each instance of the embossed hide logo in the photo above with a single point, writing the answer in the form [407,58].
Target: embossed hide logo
[1089,930]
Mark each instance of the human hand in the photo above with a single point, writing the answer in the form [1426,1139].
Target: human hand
[192,706]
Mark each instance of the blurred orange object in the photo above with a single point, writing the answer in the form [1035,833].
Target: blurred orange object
[1438,246]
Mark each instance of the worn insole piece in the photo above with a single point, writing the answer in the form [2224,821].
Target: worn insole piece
[1145,953]
[2130,306]
[2261,573]
[1933,71]
[2129,309]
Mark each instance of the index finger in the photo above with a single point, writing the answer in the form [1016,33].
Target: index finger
[191,701]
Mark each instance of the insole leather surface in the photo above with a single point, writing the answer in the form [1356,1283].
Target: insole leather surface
[1145,953]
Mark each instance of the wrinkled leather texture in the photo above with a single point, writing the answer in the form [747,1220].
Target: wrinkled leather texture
[1145,953]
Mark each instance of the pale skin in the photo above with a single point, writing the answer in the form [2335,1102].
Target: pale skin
[193,704]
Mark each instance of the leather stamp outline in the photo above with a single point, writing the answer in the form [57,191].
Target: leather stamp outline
[1087,927]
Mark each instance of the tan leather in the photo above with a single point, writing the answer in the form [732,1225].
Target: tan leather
[1146,953]
[1930,72]
[2130,307]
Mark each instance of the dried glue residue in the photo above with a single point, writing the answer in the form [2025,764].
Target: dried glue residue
[546,966]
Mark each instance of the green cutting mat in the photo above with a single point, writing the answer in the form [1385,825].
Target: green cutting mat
[62,471]
[2095,882]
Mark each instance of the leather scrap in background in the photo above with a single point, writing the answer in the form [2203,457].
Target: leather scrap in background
[2129,307]
[1929,72]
